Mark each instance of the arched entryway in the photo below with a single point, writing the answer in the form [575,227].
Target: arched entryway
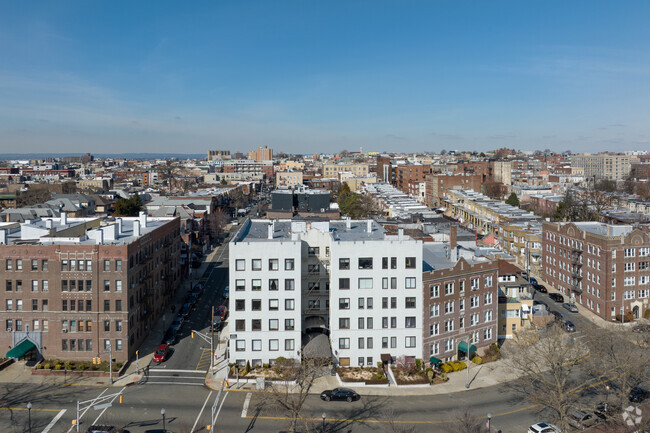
[635,311]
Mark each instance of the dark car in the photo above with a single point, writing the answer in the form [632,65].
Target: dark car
[532,281]
[540,288]
[340,394]
[161,353]
[222,311]
[216,324]
[568,326]
[170,337]
[638,394]
[105,429]
[556,297]
[606,410]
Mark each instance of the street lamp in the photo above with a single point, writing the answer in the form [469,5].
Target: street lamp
[489,418]
[162,412]
[323,427]
[29,414]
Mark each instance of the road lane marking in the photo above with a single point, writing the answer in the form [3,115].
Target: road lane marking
[173,371]
[246,403]
[102,412]
[56,418]
[176,383]
[199,416]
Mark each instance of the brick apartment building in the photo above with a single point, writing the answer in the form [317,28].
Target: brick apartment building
[73,286]
[460,301]
[605,267]
[438,183]
[406,174]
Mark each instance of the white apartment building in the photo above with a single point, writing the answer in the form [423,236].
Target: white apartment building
[347,279]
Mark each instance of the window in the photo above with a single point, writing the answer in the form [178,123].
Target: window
[393,342]
[410,302]
[256,305]
[344,264]
[488,281]
[344,284]
[240,345]
[80,265]
[118,265]
[274,345]
[344,343]
[240,325]
[409,322]
[9,264]
[44,305]
[474,302]
[474,283]
[9,304]
[289,304]
[46,285]
[34,304]
[107,265]
[118,285]
[289,284]
[73,285]
[344,323]
[256,285]
[256,325]
[361,303]
[384,262]
[369,323]
[8,285]
[107,325]
[410,262]
[410,282]
[34,285]
[434,310]
[273,285]
[107,285]
[487,316]
[19,264]
[449,307]
[289,324]
[365,283]
[434,291]
[393,262]
[434,329]
[409,342]
[487,334]
[240,305]
[393,282]
[274,324]
[118,305]
[313,251]
[393,322]
[384,283]
[344,303]
[369,345]
[274,305]
[365,262]
[118,325]
[369,303]
[630,252]
[449,288]
[289,344]
[64,305]
[487,298]
[19,285]
[449,325]
[34,265]
[629,281]
[393,302]
[240,265]
[240,285]
[289,264]
[274,264]
[89,285]
[256,264]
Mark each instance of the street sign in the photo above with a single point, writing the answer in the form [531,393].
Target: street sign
[102,406]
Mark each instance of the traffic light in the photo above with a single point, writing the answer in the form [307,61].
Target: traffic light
[192,334]
[121,399]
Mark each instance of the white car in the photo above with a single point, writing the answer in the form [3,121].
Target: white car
[543,427]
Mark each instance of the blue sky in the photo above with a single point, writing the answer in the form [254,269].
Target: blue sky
[306,76]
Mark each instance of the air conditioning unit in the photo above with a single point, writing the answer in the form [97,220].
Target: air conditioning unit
[64,331]
[9,330]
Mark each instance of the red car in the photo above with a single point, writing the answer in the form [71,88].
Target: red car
[161,354]
[222,311]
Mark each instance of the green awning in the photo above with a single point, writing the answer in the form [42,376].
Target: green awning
[21,349]
[435,361]
[462,346]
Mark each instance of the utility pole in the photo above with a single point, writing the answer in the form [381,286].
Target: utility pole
[212,353]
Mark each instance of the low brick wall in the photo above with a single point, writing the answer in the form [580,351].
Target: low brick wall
[6,363]
[85,373]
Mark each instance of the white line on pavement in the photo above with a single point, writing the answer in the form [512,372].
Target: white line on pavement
[199,415]
[216,417]
[112,400]
[151,370]
[246,403]
[56,418]
[175,383]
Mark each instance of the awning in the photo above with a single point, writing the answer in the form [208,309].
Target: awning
[462,346]
[435,361]
[385,357]
[524,307]
[21,349]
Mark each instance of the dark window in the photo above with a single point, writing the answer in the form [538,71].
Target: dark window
[89,305]
[393,262]
[34,304]
[256,305]
[393,302]
[240,325]
[107,305]
[365,262]
[273,285]
[8,287]
[89,285]
[409,322]
[107,325]
[64,305]
[410,263]
[344,263]
[73,285]
[256,325]
[344,283]
[384,262]
[410,302]
[240,305]
[118,305]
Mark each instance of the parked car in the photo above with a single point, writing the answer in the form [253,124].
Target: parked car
[222,310]
[105,429]
[606,410]
[161,353]
[571,307]
[540,288]
[557,316]
[177,323]
[226,292]
[215,325]
[568,326]
[638,394]
[532,281]
[170,337]
[556,297]
[543,427]
[582,419]
[185,311]
[340,394]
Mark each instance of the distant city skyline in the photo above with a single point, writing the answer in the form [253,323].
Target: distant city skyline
[306,77]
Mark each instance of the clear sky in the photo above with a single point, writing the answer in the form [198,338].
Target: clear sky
[322,76]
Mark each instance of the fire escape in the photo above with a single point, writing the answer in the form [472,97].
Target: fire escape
[576,270]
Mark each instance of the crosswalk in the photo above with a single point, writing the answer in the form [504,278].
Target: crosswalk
[164,376]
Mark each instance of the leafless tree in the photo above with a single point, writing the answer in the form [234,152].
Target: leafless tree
[467,422]
[547,360]
[300,377]
[395,426]
[216,221]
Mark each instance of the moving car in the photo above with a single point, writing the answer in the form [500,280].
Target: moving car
[161,353]
[568,326]
[582,419]
[571,307]
[340,394]
[543,427]
[556,297]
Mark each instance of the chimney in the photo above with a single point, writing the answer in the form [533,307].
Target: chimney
[369,226]
[136,228]
[119,225]
[271,229]
[48,223]
[143,219]
[64,218]
[400,234]
[348,223]
[453,234]
[3,237]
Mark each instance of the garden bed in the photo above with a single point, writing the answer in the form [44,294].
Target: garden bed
[75,368]
[410,376]
[368,375]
